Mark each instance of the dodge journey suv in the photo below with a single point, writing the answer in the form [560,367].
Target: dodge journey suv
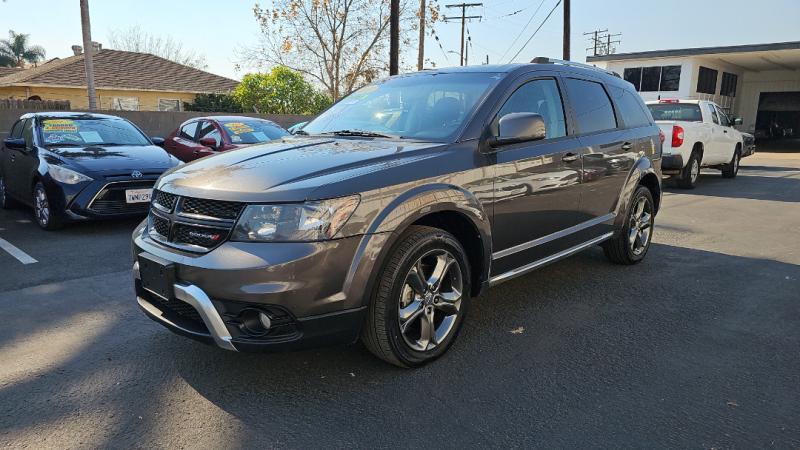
[392,210]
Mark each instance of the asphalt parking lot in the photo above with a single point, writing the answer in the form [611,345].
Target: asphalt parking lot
[698,347]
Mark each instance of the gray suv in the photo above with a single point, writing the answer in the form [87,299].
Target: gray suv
[397,206]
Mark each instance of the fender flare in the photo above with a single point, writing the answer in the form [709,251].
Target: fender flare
[641,168]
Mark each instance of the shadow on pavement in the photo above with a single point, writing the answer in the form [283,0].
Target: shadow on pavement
[779,189]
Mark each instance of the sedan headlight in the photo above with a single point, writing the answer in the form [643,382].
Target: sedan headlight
[310,221]
[67,176]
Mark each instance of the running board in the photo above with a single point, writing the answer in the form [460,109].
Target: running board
[544,261]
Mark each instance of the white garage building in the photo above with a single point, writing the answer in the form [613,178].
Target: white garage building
[760,83]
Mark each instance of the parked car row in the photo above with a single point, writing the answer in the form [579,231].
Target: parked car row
[79,166]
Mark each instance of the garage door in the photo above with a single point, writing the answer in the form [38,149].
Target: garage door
[778,115]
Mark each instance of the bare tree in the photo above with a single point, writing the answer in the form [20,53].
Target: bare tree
[133,39]
[341,44]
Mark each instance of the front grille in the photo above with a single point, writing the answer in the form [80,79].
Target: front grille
[179,307]
[192,224]
[199,236]
[211,208]
[111,200]
[165,200]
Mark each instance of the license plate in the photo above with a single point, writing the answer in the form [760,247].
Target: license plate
[138,195]
[157,275]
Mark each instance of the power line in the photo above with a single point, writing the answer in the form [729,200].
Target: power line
[534,33]
[522,30]
[463,18]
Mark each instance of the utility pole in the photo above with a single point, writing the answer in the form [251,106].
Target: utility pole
[595,40]
[602,42]
[87,55]
[421,52]
[566,31]
[463,18]
[394,37]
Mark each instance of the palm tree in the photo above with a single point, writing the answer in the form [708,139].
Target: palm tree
[16,50]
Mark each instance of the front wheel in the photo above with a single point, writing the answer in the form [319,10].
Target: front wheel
[421,299]
[46,216]
[5,201]
[631,244]
[732,168]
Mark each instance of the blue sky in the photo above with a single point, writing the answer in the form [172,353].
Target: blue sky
[216,28]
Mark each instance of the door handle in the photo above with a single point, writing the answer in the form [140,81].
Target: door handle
[725,131]
[570,157]
[627,146]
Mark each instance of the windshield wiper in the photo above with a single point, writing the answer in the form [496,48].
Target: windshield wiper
[63,144]
[361,133]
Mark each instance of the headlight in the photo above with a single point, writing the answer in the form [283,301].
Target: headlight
[66,176]
[311,221]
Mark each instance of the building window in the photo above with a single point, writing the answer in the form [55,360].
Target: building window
[168,104]
[728,86]
[653,79]
[707,81]
[125,103]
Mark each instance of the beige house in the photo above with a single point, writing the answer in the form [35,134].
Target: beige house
[123,81]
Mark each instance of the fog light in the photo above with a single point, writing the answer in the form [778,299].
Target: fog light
[265,321]
[254,322]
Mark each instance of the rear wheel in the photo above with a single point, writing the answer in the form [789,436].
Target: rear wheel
[732,168]
[5,201]
[632,243]
[46,216]
[422,296]
[690,173]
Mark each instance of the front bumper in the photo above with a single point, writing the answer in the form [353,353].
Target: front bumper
[314,292]
[99,199]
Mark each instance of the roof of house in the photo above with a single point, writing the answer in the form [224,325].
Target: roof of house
[697,51]
[8,70]
[117,69]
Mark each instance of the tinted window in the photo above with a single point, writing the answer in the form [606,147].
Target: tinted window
[425,105]
[249,131]
[707,81]
[670,78]
[27,133]
[541,97]
[630,107]
[82,132]
[728,86]
[592,107]
[723,118]
[209,130]
[16,130]
[713,112]
[188,131]
[634,76]
[676,111]
[650,79]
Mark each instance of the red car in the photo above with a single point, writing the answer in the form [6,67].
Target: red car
[204,136]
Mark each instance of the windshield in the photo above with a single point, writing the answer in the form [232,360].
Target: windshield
[85,132]
[687,112]
[252,131]
[422,106]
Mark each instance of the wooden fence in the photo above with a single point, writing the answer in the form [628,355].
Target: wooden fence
[39,105]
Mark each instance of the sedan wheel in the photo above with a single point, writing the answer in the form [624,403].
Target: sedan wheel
[5,201]
[45,216]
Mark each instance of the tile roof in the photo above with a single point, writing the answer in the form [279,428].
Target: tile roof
[116,69]
[9,70]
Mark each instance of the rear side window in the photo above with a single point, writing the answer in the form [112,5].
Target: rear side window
[189,130]
[592,107]
[16,130]
[689,112]
[541,97]
[631,107]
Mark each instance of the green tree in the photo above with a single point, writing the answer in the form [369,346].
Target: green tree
[17,50]
[214,103]
[281,91]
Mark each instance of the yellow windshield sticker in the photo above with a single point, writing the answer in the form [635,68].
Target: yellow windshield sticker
[60,126]
[238,127]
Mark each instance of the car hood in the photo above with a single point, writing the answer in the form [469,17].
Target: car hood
[288,170]
[115,159]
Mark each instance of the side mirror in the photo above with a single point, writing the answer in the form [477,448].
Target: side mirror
[209,142]
[15,143]
[159,141]
[519,127]
[737,120]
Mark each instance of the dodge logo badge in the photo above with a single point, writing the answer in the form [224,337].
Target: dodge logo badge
[136,174]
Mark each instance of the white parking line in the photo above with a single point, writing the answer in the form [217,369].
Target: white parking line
[21,256]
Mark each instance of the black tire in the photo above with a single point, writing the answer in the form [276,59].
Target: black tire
[690,173]
[621,249]
[732,168]
[47,218]
[382,334]
[6,202]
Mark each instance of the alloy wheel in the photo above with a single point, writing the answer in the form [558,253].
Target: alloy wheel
[695,170]
[41,207]
[3,198]
[641,224]
[735,164]
[430,300]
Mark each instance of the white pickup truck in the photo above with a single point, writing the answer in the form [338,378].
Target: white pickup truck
[698,134]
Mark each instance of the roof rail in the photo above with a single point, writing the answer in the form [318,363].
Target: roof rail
[546,60]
